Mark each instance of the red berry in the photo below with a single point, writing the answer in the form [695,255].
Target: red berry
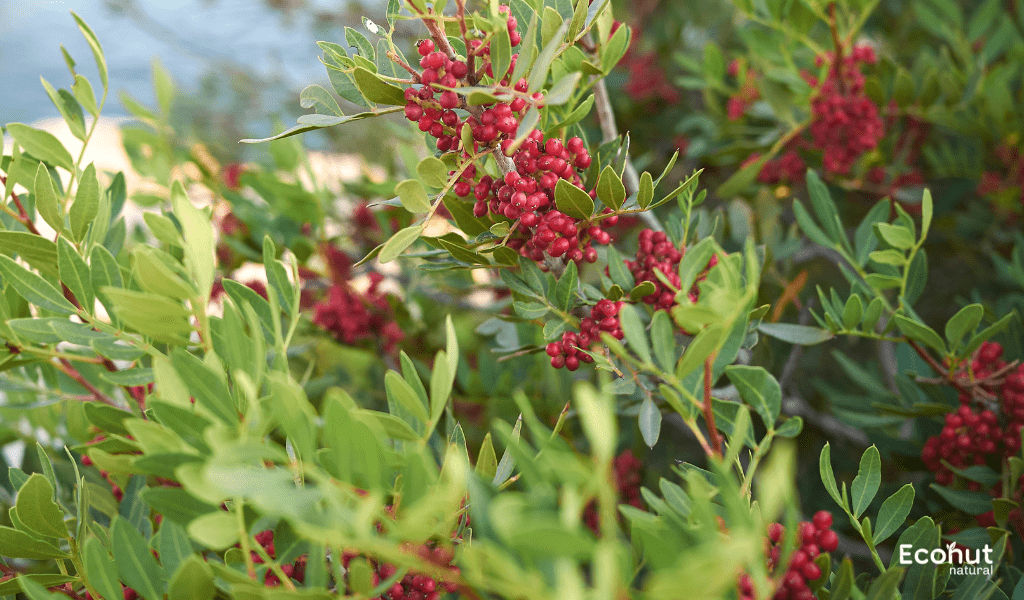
[425,47]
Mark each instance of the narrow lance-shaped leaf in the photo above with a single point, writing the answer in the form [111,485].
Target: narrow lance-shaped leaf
[47,203]
[865,484]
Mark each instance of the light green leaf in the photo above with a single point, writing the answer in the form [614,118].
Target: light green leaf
[759,389]
[801,335]
[100,570]
[136,565]
[87,203]
[965,321]
[413,196]
[433,172]
[893,513]
[376,90]
[34,288]
[37,509]
[921,333]
[97,50]
[646,192]
[649,421]
[75,274]
[539,73]
[316,97]
[193,580]
[865,484]
[400,391]
[217,530]
[636,337]
[827,477]
[42,145]
[47,204]
[399,242]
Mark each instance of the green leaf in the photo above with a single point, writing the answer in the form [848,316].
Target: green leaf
[865,484]
[376,90]
[100,569]
[193,580]
[541,67]
[617,270]
[18,544]
[400,391]
[843,583]
[636,337]
[759,389]
[988,333]
[649,421]
[646,192]
[888,257]
[800,335]
[433,172]
[610,189]
[663,339]
[35,590]
[216,530]
[42,145]
[853,312]
[566,287]
[864,237]
[704,343]
[897,236]
[827,477]
[501,53]
[319,99]
[441,380]
[884,587]
[972,503]
[921,333]
[69,108]
[37,509]
[573,201]
[82,90]
[790,428]
[34,288]
[205,385]
[561,92]
[487,460]
[927,210]
[893,513]
[47,204]
[94,44]
[199,244]
[75,274]
[965,321]
[809,227]
[824,208]
[413,196]
[150,314]
[399,242]
[39,252]
[86,205]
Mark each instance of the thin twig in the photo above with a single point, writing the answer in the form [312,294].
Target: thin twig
[22,216]
[64,366]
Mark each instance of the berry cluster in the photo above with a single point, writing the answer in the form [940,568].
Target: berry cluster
[351,316]
[787,167]
[657,252]
[845,121]
[628,472]
[815,537]
[568,352]
[977,435]
[433,108]
[528,194]
[413,585]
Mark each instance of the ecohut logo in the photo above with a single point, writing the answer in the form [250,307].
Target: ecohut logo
[962,560]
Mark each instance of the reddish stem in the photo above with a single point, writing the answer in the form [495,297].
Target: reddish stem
[23,214]
[709,413]
[64,366]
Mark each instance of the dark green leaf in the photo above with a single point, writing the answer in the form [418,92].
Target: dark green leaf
[100,570]
[921,333]
[972,503]
[827,478]
[801,335]
[573,201]
[34,288]
[759,389]
[18,544]
[893,513]
[636,337]
[47,203]
[610,189]
[376,89]
[86,205]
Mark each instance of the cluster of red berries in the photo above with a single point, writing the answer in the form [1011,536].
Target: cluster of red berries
[815,537]
[413,585]
[974,434]
[645,79]
[787,167]
[568,352]
[352,317]
[657,252]
[628,472]
[433,108]
[528,194]
[845,121]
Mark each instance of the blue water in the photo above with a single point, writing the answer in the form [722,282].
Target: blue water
[189,36]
